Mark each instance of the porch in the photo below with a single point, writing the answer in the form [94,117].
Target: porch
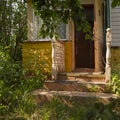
[78,67]
[75,88]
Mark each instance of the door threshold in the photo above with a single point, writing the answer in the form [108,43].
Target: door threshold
[90,70]
[87,71]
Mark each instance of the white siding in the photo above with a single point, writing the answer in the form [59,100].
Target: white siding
[115,25]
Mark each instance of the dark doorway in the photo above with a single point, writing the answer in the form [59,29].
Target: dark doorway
[84,49]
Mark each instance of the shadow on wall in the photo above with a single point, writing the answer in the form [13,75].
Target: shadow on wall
[37,58]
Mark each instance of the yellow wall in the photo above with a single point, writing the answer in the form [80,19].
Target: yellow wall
[68,56]
[37,56]
[115,59]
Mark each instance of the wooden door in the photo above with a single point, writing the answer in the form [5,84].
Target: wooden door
[84,49]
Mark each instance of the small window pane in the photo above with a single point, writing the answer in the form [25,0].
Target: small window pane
[61,30]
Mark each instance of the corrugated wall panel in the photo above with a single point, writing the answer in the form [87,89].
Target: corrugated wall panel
[115,25]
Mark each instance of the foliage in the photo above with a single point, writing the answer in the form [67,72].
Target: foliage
[58,110]
[115,83]
[15,83]
[54,12]
[13,27]
[15,86]
[115,3]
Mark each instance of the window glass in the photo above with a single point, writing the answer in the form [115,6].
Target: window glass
[61,30]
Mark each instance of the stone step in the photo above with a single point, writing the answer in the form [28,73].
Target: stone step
[85,77]
[76,85]
[43,96]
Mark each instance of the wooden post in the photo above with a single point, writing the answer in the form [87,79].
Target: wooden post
[108,55]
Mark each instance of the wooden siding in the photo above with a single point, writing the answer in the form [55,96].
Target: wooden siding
[37,56]
[115,25]
[98,33]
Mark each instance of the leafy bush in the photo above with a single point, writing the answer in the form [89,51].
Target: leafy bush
[15,85]
[115,82]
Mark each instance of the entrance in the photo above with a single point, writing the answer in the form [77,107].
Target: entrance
[84,49]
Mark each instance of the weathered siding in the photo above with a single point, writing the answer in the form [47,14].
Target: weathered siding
[115,25]
[68,56]
[98,32]
[59,56]
[37,56]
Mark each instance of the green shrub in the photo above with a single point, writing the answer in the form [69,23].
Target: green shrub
[15,86]
[115,64]
[115,81]
[57,110]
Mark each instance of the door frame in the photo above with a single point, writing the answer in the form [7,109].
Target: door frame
[73,43]
[87,58]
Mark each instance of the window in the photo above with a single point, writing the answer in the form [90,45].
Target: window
[62,30]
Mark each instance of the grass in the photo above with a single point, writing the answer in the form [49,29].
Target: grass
[56,110]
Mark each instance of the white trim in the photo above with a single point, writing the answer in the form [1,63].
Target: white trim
[47,40]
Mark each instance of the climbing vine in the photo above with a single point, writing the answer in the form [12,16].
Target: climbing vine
[53,12]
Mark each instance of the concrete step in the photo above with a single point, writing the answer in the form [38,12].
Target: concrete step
[76,85]
[43,96]
[85,77]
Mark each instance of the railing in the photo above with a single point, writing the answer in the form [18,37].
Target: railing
[108,55]
[58,60]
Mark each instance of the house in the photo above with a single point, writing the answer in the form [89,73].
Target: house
[75,65]
[72,53]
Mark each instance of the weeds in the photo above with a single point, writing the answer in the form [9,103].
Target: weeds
[115,82]
[16,102]
[15,87]
[57,110]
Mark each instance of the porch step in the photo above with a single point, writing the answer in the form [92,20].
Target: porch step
[76,85]
[43,96]
[85,77]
